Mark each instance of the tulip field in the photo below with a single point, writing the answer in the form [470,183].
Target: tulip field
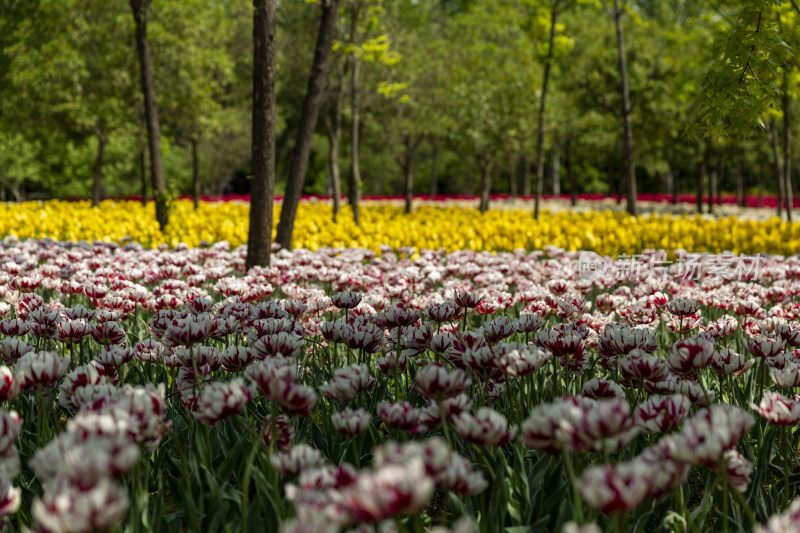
[445,225]
[150,385]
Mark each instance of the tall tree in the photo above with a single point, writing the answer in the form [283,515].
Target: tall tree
[333,130]
[434,168]
[308,121]
[628,164]
[542,106]
[97,175]
[354,179]
[140,10]
[787,24]
[774,141]
[259,240]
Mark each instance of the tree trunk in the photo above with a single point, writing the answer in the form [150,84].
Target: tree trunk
[195,174]
[143,173]
[259,242]
[701,178]
[355,170]
[486,185]
[772,132]
[542,107]
[526,176]
[674,182]
[512,177]
[434,169]
[712,178]
[408,172]
[668,177]
[573,194]
[334,140]
[140,8]
[718,181]
[556,174]
[740,198]
[787,147]
[308,122]
[333,166]
[97,176]
[627,152]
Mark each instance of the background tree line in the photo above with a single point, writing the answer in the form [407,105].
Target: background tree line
[417,96]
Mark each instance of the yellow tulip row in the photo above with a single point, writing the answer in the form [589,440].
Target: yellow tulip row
[428,226]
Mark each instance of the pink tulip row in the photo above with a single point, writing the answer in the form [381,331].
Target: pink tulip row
[751,201]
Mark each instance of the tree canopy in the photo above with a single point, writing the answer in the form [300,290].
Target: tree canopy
[453,85]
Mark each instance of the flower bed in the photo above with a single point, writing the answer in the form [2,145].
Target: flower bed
[167,390]
[448,227]
[768,201]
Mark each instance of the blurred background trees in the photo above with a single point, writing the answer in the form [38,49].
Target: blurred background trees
[440,96]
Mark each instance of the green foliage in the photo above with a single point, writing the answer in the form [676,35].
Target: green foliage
[741,84]
[461,74]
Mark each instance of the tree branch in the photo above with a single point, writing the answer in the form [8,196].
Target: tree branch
[752,50]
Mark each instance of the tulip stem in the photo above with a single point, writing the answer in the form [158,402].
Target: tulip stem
[681,503]
[356,457]
[787,464]
[40,418]
[444,426]
[619,521]
[246,481]
[703,386]
[722,468]
[746,506]
[577,506]
[397,352]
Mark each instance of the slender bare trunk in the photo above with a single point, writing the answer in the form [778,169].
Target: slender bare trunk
[701,178]
[526,176]
[354,193]
[334,130]
[674,182]
[740,199]
[140,8]
[434,169]
[333,168]
[712,178]
[143,172]
[618,180]
[259,243]
[195,174]
[308,122]
[668,180]
[556,168]
[97,175]
[408,171]
[772,132]
[512,176]
[787,147]
[573,193]
[627,152]
[542,108]
[486,185]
